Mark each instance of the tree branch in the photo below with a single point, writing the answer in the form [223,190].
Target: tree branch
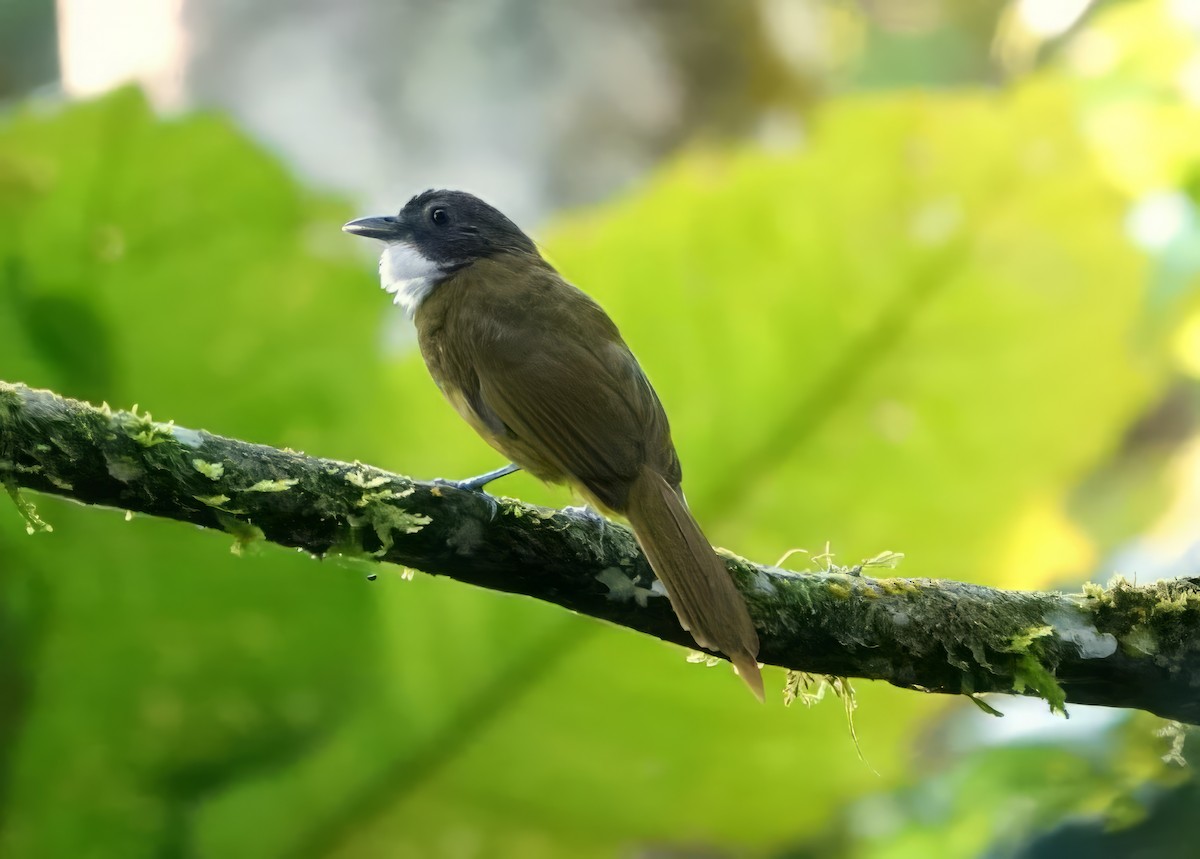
[1123,646]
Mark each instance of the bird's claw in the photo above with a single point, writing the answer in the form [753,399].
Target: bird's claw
[586,513]
[474,489]
[472,485]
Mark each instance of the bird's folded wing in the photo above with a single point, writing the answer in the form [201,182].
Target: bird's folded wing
[582,410]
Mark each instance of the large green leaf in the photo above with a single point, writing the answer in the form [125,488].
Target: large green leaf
[899,337]
[170,263]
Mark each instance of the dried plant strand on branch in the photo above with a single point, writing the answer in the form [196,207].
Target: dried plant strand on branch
[1122,646]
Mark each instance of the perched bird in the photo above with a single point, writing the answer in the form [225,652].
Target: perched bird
[541,372]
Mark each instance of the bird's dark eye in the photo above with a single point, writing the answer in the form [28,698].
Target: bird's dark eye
[439,217]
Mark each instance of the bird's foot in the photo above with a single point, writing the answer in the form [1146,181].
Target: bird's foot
[477,495]
[475,484]
[586,513]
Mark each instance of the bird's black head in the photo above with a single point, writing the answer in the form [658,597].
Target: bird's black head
[449,228]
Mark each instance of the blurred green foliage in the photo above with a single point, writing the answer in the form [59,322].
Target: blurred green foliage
[170,260]
[917,332]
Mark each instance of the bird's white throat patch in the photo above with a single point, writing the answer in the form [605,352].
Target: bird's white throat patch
[407,274]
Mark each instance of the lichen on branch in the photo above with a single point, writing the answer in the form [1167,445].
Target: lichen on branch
[1122,646]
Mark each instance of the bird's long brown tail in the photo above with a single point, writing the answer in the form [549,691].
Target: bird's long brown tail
[697,582]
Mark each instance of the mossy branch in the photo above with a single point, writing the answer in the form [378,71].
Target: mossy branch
[1123,646]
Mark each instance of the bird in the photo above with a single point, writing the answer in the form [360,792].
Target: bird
[542,374]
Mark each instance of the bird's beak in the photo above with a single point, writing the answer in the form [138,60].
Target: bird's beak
[386,227]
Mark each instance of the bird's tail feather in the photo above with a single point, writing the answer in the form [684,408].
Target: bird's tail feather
[698,584]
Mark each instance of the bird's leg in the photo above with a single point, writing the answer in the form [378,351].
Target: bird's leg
[474,484]
[591,515]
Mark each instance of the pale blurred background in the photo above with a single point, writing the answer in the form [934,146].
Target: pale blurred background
[912,276]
